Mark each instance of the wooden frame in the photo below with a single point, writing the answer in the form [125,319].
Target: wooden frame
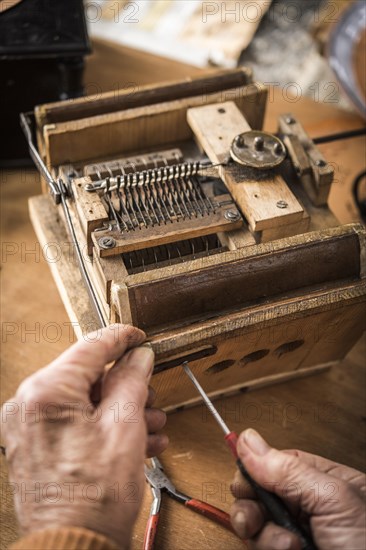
[259,311]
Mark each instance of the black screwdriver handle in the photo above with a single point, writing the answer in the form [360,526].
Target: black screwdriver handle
[277,510]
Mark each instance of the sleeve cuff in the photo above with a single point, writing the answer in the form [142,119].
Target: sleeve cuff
[65,538]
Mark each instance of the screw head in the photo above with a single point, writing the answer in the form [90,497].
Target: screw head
[232,215]
[321,163]
[239,141]
[290,120]
[259,143]
[282,204]
[107,242]
[278,149]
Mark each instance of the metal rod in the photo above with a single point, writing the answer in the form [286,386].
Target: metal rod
[83,270]
[206,399]
[340,135]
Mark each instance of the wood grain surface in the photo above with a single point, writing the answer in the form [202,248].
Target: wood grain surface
[323,414]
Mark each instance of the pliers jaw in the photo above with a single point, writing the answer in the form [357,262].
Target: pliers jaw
[159,481]
[156,503]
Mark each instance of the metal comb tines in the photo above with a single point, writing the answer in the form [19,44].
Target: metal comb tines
[165,196]
[172,253]
[151,175]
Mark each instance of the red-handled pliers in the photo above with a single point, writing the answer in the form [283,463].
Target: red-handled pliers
[160,482]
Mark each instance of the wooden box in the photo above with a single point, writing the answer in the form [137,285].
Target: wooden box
[281,293]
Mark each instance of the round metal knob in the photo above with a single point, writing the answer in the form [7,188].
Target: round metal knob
[260,150]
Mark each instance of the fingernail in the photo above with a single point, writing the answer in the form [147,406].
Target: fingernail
[143,356]
[239,524]
[282,542]
[255,442]
[147,345]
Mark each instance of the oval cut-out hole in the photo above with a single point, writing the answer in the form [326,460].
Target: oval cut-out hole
[255,356]
[288,347]
[221,110]
[218,367]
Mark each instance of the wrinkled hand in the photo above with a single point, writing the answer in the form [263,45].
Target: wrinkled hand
[327,497]
[77,462]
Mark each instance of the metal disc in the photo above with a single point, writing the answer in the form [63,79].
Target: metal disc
[256,149]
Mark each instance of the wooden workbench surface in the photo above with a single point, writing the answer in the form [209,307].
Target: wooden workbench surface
[323,414]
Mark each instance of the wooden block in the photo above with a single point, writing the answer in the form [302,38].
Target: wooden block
[298,156]
[107,271]
[92,213]
[256,193]
[237,239]
[215,127]
[283,231]
[121,303]
[313,170]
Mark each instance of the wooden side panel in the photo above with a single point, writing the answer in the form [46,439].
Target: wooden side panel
[229,285]
[265,353]
[140,128]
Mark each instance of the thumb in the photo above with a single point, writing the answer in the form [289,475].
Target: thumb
[127,381]
[288,476]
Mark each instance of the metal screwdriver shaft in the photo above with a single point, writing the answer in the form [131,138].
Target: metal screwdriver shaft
[209,403]
[274,505]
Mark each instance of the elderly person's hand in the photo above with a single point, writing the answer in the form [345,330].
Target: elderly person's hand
[76,436]
[327,497]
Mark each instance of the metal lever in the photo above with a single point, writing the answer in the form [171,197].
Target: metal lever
[26,125]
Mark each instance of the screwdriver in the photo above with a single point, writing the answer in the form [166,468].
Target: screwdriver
[274,505]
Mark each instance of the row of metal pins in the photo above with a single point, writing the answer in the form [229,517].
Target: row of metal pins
[160,199]
[140,178]
[170,249]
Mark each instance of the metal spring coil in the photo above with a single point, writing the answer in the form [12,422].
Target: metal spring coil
[144,177]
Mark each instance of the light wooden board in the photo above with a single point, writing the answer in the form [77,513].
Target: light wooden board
[215,127]
[140,128]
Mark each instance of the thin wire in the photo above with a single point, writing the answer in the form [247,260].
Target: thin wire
[79,254]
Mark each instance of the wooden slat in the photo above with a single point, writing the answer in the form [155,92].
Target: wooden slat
[145,237]
[318,234]
[140,128]
[128,98]
[257,194]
